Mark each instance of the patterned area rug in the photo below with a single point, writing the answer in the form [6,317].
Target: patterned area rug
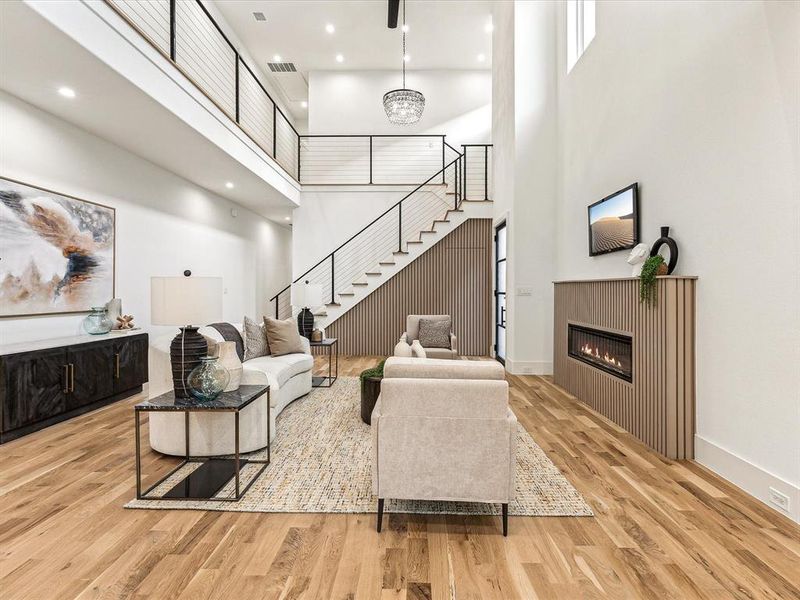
[321,463]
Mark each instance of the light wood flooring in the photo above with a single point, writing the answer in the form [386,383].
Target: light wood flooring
[662,529]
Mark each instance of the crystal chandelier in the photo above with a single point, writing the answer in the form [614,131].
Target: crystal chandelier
[403,106]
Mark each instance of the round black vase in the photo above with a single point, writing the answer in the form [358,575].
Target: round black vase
[305,323]
[673,249]
[185,353]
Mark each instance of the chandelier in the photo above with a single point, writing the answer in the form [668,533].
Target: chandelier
[404,106]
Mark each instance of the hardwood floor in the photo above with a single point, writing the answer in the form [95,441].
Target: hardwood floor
[662,529]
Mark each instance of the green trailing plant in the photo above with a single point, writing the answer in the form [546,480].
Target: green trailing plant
[376,371]
[648,292]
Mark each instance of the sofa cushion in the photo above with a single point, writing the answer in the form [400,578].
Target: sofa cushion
[434,333]
[255,339]
[436,368]
[440,353]
[281,368]
[283,336]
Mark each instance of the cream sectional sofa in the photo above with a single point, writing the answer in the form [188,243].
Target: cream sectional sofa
[212,434]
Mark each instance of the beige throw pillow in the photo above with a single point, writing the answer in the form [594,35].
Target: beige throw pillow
[255,339]
[283,337]
[434,333]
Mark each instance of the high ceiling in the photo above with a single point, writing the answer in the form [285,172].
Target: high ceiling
[443,34]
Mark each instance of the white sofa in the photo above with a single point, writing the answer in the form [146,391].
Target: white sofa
[212,434]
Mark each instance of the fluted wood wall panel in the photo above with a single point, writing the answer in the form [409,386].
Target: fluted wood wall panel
[658,405]
[453,277]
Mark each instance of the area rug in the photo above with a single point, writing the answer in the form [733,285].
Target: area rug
[321,463]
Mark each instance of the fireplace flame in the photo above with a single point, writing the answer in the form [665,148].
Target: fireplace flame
[595,353]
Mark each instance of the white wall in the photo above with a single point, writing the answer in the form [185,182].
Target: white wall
[164,224]
[698,102]
[457,103]
[525,183]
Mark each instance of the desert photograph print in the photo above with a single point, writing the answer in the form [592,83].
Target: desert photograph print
[56,252]
[612,222]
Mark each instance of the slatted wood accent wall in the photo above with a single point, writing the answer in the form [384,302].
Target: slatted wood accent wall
[453,277]
[658,406]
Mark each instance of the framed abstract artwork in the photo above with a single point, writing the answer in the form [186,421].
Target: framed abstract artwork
[56,252]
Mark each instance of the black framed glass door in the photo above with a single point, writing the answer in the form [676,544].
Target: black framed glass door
[500,292]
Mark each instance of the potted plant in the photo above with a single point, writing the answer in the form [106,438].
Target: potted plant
[370,390]
[652,268]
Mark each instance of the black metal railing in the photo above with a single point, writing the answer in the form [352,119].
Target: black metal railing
[389,234]
[186,33]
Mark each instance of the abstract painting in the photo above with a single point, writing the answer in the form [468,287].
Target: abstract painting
[56,252]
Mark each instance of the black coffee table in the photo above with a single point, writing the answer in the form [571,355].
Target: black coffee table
[215,472]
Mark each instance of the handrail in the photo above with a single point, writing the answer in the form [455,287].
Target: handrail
[367,226]
[171,56]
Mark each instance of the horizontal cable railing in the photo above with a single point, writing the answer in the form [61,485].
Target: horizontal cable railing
[390,233]
[478,184]
[370,159]
[186,33]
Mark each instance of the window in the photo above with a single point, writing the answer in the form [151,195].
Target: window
[580,29]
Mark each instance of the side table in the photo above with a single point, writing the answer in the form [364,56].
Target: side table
[214,473]
[333,353]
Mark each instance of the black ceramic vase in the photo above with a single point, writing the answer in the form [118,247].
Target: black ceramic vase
[673,249]
[305,323]
[185,353]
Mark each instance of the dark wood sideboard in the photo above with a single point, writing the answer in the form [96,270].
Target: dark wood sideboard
[43,383]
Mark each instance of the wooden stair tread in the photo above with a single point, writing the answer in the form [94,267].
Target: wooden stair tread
[386,264]
[374,274]
[347,293]
[332,304]
[360,283]
[414,242]
[399,252]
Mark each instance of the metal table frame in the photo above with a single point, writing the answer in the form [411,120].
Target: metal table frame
[188,458]
[330,344]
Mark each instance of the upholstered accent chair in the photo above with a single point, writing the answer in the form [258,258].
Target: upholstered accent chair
[412,333]
[442,430]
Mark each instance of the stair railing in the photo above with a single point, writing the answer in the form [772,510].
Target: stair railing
[386,236]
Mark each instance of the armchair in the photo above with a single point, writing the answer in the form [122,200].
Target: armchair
[442,430]
[412,333]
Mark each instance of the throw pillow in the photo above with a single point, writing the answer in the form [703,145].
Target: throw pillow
[434,333]
[255,339]
[283,337]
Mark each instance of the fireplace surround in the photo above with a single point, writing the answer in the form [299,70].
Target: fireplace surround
[631,362]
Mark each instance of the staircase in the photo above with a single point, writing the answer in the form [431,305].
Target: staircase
[399,235]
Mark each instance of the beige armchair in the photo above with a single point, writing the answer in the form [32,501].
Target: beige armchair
[442,430]
[412,333]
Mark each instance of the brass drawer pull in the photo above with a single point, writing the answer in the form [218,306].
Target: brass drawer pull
[116,365]
[66,379]
[71,377]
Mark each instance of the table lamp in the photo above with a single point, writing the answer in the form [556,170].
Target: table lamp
[187,302]
[306,296]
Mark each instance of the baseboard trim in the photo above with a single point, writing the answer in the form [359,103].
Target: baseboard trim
[745,475]
[529,367]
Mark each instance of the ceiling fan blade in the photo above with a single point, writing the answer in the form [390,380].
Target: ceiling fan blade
[394,9]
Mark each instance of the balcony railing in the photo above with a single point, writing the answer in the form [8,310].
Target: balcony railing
[186,33]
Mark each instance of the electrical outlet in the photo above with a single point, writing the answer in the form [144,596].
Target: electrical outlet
[779,499]
[524,291]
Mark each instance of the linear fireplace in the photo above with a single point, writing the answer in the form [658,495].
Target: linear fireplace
[604,350]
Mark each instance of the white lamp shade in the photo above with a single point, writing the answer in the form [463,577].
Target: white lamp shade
[306,295]
[185,300]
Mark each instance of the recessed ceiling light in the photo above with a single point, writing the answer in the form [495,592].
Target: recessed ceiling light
[276,58]
[405,28]
[489,27]
[229,185]
[304,104]
[339,58]
[287,218]
[406,57]
[481,57]
[259,16]
[330,28]
[66,92]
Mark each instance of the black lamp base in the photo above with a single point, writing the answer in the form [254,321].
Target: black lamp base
[305,322]
[185,353]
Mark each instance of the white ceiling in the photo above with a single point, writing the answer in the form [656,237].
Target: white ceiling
[443,34]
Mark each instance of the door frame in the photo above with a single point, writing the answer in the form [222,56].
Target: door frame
[502,322]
